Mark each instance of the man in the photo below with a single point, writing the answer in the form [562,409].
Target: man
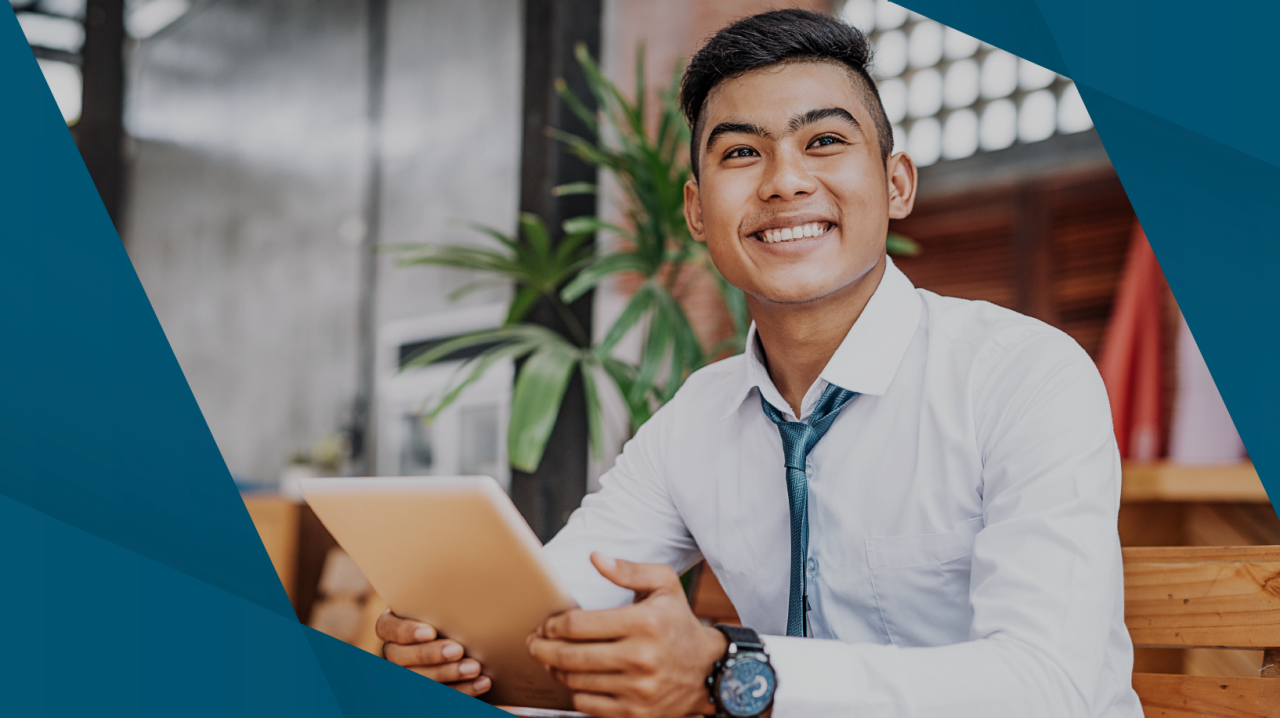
[930,484]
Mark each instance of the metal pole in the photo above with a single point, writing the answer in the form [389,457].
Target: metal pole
[552,29]
[100,130]
[362,453]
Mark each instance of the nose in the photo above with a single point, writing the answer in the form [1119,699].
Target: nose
[786,177]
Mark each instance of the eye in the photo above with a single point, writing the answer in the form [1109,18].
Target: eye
[827,141]
[740,152]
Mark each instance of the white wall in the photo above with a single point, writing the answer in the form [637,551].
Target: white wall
[247,166]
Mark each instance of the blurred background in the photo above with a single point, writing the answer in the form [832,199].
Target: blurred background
[259,157]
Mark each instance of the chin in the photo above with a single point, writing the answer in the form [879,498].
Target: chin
[791,294]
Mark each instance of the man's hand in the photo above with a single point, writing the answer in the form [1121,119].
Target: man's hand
[647,659]
[416,646]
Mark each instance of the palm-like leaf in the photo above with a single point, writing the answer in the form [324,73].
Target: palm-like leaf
[539,391]
[540,385]
[534,265]
[645,159]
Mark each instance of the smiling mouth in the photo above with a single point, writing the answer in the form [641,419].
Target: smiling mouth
[787,234]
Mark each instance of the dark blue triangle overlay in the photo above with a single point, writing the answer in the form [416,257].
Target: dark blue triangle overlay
[1205,66]
[136,584]
[92,629]
[101,430]
[367,686]
[1183,96]
[1200,204]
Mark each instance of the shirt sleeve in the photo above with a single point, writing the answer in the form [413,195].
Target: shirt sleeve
[631,517]
[1046,582]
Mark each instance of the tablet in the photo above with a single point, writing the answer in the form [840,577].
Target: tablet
[455,553]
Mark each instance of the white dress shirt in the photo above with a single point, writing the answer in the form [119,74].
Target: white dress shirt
[963,554]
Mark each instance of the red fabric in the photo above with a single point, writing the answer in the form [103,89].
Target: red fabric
[1131,362]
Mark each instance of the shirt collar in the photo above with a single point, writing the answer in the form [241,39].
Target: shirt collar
[867,359]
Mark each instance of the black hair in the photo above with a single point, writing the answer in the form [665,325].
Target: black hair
[773,38]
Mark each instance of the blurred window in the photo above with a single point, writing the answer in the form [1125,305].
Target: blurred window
[1037,116]
[893,95]
[417,454]
[924,98]
[147,17]
[999,127]
[64,83]
[888,15]
[480,437]
[924,140]
[65,8]
[960,88]
[960,134]
[949,95]
[55,31]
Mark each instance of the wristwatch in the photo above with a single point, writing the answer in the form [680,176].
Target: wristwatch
[743,682]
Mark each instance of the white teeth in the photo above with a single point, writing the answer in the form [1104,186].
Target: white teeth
[813,229]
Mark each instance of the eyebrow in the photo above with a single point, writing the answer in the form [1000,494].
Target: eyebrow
[737,128]
[796,123]
[812,116]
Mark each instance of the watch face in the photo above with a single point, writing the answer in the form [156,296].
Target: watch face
[746,686]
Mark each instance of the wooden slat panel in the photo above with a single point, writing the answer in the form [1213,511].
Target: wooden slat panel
[1169,696]
[1219,662]
[1092,223]
[1203,597]
[1219,524]
[1166,481]
[967,247]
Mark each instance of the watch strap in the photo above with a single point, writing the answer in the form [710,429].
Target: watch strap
[745,638]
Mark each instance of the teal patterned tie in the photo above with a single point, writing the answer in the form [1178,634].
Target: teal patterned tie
[798,439]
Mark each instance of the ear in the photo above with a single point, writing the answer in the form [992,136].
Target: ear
[901,176]
[693,210]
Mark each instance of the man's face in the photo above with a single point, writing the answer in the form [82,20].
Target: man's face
[794,200]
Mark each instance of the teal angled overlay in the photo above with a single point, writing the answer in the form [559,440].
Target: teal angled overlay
[136,584]
[1184,97]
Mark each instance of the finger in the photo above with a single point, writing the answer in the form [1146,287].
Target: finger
[433,653]
[614,684]
[473,688]
[598,705]
[395,629]
[603,625]
[583,657]
[643,578]
[467,670]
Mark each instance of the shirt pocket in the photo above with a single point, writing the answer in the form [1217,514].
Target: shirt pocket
[921,583]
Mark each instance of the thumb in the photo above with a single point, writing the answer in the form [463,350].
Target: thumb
[643,578]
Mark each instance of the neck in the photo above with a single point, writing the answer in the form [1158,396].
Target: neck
[800,338]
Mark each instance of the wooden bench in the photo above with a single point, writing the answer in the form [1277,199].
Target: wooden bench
[1206,597]
[1175,597]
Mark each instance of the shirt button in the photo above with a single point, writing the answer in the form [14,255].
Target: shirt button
[813,566]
